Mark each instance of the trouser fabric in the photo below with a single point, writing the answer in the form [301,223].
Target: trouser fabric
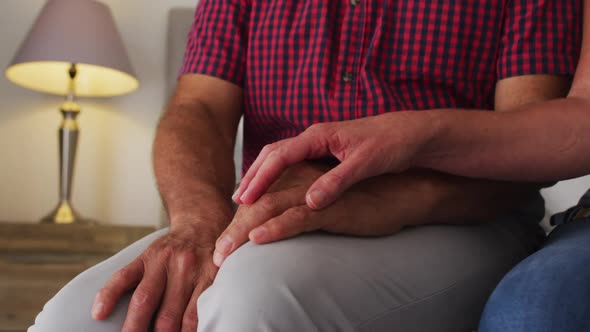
[423,279]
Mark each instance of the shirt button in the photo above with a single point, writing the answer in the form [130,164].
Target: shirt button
[354,2]
[347,77]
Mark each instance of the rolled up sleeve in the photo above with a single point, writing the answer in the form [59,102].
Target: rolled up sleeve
[540,37]
[217,42]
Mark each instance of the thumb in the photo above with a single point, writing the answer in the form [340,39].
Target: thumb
[327,188]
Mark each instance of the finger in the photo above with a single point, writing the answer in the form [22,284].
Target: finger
[251,173]
[179,287]
[328,187]
[250,217]
[287,153]
[121,282]
[293,222]
[191,318]
[145,299]
[253,170]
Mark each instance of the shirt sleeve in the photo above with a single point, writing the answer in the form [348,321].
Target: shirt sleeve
[217,42]
[540,37]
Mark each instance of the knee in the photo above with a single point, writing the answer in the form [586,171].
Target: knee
[69,309]
[260,288]
[504,311]
[546,292]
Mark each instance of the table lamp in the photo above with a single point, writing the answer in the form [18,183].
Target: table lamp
[73,49]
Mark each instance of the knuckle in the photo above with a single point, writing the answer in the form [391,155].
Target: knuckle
[278,156]
[297,214]
[123,275]
[166,318]
[308,223]
[140,300]
[333,180]
[280,152]
[165,253]
[235,230]
[316,128]
[275,228]
[206,277]
[136,305]
[336,142]
[295,220]
[185,260]
[268,148]
[268,202]
[148,254]
[189,320]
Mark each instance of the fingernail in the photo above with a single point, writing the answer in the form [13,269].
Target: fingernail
[217,259]
[258,233]
[224,245]
[245,195]
[235,196]
[97,310]
[316,198]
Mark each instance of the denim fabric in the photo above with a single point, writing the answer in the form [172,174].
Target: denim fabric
[548,291]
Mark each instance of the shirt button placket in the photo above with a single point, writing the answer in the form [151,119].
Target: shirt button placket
[347,77]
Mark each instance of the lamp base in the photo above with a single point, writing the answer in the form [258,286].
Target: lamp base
[64,214]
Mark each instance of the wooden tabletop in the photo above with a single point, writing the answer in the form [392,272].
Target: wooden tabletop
[36,260]
[74,238]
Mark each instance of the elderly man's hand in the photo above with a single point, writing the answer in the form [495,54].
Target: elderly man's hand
[365,209]
[285,196]
[373,207]
[166,281]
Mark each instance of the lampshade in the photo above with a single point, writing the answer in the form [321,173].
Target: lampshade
[74,31]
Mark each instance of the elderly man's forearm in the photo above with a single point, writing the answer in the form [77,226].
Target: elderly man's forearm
[444,198]
[193,164]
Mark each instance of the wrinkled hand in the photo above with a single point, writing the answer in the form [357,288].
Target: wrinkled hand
[366,147]
[168,278]
[365,209]
[285,197]
[373,207]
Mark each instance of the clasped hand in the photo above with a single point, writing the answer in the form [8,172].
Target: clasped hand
[347,199]
[367,147]
[282,212]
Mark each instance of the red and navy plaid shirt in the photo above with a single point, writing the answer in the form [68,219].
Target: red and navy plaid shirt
[306,61]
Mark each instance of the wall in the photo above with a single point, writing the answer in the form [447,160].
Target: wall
[565,194]
[114,182]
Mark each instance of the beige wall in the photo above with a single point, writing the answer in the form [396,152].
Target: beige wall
[114,182]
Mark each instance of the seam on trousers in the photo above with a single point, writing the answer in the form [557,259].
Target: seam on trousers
[364,323]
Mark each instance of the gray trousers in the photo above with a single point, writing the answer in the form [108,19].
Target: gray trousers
[427,279]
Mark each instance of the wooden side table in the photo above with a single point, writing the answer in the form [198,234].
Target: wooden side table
[36,260]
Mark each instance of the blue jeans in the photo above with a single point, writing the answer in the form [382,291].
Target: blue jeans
[548,291]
